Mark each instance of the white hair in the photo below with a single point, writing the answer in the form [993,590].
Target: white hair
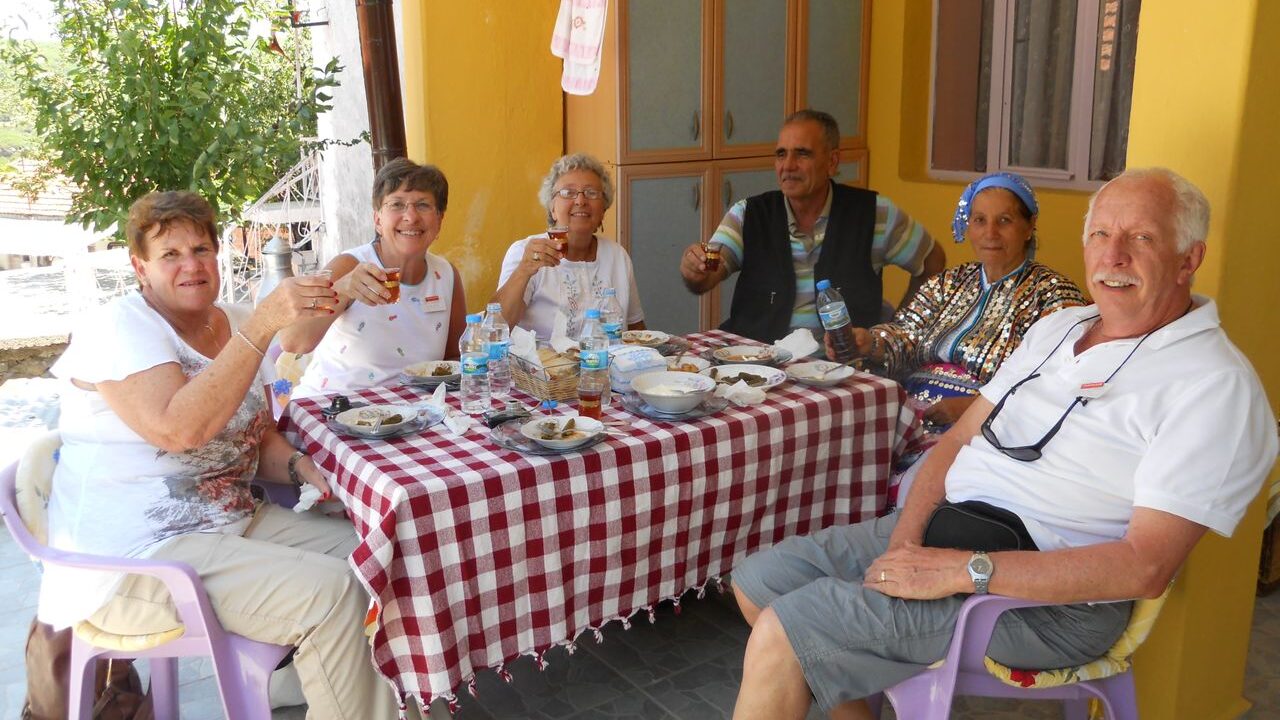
[1191,219]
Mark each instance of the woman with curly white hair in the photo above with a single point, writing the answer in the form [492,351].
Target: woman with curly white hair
[542,274]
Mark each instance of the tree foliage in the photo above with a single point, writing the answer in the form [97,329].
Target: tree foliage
[167,95]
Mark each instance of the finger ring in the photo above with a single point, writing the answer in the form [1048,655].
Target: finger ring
[537,256]
[315,303]
[881,576]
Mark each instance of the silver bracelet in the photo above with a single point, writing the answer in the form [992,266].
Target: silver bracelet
[249,342]
[293,467]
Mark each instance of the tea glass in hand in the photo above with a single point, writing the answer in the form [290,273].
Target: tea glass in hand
[559,236]
[712,253]
[392,284]
[321,276]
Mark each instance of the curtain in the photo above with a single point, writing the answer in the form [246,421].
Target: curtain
[1113,87]
[1044,40]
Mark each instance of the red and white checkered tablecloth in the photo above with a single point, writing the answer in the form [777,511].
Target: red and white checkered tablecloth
[477,555]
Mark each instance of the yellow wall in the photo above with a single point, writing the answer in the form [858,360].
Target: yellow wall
[898,131]
[483,101]
[1206,96]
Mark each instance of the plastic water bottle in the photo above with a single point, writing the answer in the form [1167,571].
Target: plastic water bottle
[475,368]
[835,320]
[611,316]
[593,367]
[498,345]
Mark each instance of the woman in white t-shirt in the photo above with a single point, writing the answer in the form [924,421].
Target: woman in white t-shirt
[163,426]
[541,276]
[370,338]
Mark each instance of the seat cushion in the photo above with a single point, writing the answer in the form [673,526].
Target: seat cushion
[98,637]
[34,482]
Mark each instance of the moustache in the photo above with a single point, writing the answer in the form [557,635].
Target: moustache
[1115,277]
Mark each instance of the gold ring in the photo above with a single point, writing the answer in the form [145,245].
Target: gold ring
[881,576]
[537,256]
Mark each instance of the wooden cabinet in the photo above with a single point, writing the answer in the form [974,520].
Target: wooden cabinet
[687,111]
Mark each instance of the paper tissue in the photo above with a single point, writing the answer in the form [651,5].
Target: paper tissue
[628,362]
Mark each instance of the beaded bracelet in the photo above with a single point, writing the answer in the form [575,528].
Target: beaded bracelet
[249,342]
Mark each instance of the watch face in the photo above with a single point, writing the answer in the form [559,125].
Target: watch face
[980,564]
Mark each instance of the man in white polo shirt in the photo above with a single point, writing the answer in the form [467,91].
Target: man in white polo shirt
[1103,449]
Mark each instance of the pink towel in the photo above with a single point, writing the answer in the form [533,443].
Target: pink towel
[578,37]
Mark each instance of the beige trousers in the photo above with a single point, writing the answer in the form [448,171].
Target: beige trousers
[286,582]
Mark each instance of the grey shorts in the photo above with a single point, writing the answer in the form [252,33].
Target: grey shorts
[853,642]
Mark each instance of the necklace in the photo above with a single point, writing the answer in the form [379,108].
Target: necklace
[213,334]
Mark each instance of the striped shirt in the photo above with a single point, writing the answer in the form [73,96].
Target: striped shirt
[898,240]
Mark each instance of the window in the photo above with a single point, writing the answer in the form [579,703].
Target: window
[1038,87]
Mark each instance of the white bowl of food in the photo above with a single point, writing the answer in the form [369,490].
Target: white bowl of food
[687,363]
[746,354]
[562,433]
[673,392]
[435,370]
[377,420]
[820,373]
[648,338]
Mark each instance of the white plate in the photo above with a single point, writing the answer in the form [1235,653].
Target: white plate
[647,338]
[363,419]
[690,361]
[812,373]
[585,429]
[773,377]
[422,372]
[746,354]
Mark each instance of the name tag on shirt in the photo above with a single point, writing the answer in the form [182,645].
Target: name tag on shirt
[433,303]
[1092,390]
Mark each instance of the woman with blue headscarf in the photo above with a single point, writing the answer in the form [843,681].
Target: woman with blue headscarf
[953,335]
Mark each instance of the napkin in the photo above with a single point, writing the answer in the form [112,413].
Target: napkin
[460,423]
[307,497]
[800,343]
[524,344]
[560,341]
[740,393]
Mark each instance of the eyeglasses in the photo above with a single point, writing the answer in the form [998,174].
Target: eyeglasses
[1031,453]
[571,194]
[400,207]
[1025,453]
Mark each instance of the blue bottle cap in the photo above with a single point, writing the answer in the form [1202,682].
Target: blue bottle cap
[593,314]
[823,285]
[474,318]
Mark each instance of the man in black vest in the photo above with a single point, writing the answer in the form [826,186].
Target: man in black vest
[784,241]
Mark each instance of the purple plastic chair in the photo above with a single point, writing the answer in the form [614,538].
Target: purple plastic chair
[928,696]
[242,666]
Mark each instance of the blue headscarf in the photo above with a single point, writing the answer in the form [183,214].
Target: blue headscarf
[1009,181]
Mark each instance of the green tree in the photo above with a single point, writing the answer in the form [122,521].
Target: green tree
[167,95]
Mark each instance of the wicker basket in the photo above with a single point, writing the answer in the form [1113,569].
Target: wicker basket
[536,381]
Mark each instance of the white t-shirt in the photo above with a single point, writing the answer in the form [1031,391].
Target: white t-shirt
[574,287]
[370,344]
[114,493]
[1184,427]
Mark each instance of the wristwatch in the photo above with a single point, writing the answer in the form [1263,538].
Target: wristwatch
[980,571]
[293,467]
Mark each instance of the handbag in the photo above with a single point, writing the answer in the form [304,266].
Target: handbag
[976,525]
[117,687]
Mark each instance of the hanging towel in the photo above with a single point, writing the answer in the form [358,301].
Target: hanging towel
[578,37]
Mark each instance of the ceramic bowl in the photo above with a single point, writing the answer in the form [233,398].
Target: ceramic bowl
[584,429]
[673,392]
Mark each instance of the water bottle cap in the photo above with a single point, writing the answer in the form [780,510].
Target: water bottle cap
[823,285]
[610,292]
[474,318]
[494,307]
[593,314]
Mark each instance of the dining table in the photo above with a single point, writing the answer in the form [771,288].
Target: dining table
[475,555]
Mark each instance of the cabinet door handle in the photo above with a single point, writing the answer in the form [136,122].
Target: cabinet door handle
[697,195]
[728,193]
[697,126]
[728,124]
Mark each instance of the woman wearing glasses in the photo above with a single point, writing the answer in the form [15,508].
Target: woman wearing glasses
[542,274]
[398,304]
